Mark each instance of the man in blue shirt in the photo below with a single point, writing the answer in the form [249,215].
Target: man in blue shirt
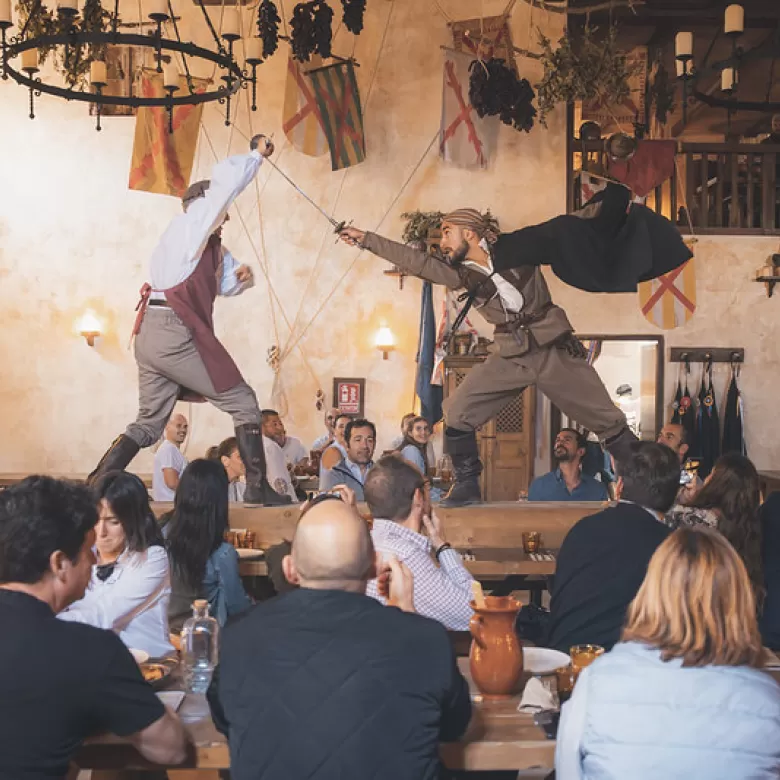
[567,482]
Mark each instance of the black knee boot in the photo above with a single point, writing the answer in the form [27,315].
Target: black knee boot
[258,491]
[461,446]
[117,458]
[619,446]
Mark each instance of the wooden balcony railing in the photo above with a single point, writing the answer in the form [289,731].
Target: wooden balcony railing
[726,188]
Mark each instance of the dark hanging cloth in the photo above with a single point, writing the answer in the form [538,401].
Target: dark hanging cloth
[685,415]
[609,245]
[707,426]
[430,395]
[733,433]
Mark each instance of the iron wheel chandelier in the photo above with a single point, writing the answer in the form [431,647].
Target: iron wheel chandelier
[72,32]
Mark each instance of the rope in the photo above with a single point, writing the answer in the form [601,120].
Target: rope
[446,16]
[359,254]
[327,233]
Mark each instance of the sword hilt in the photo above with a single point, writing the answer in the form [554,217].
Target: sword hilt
[339,228]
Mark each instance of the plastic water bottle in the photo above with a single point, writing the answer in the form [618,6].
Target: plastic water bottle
[199,643]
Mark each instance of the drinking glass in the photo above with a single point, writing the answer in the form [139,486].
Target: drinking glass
[584,655]
[532,541]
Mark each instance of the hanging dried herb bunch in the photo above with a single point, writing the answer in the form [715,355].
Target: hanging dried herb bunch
[73,61]
[419,224]
[353,15]
[268,21]
[582,68]
[495,89]
[311,30]
[661,94]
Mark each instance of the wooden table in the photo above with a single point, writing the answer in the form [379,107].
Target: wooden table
[498,738]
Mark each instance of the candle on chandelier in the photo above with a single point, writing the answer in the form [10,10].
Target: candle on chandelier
[230,23]
[254,50]
[683,44]
[67,5]
[681,68]
[5,11]
[158,8]
[735,20]
[170,75]
[728,78]
[30,60]
[98,75]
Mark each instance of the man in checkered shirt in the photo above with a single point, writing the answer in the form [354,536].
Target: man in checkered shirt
[395,492]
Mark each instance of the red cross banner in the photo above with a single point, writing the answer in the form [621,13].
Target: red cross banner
[670,300]
[486,38]
[465,140]
[162,161]
[302,121]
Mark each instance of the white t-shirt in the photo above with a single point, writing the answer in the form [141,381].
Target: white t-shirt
[169,456]
[294,451]
[275,472]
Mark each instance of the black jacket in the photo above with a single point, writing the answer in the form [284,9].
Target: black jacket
[599,248]
[601,565]
[329,685]
[769,621]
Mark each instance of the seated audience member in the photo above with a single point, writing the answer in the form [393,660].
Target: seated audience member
[169,461]
[567,482]
[604,557]
[337,450]
[273,428]
[327,438]
[226,452]
[406,423]
[416,448]
[131,585]
[62,682]
[683,694]
[203,564]
[730,501]
[674,436]
[366,691]
[769,622]
[395,494]
[360,438]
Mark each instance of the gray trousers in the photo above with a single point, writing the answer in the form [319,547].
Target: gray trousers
[569,382]
[167,361]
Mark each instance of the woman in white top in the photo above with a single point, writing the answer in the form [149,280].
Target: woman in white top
[336,452]
[276,468]
[130,586]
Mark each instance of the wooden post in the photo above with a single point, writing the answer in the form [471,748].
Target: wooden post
[768,190]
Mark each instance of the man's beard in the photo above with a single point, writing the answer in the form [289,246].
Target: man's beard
[457,256]
[562,456]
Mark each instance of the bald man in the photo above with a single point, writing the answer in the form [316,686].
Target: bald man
[324,681]
[169,461]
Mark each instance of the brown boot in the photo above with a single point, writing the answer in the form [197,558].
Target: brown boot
[258,491]
[117,458]
[619,446]
[461,446]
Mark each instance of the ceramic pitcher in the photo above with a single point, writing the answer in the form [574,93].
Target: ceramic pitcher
[496,656]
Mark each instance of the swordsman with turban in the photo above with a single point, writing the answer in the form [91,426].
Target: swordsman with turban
[177,351]
[606,247]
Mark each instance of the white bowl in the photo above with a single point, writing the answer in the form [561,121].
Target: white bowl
[543,660]
[141,656]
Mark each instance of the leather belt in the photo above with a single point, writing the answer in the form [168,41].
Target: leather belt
[158,302]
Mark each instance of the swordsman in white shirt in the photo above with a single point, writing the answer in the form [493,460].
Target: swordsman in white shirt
[177,352]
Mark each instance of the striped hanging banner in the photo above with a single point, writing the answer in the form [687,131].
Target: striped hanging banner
[302,122]
[336,91]
[670,300]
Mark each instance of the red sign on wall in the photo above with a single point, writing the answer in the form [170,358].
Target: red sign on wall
[349,396]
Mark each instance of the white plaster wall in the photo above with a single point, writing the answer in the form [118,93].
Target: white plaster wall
[72,237]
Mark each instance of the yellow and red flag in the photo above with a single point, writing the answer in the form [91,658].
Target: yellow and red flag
[162,161]
[670,300]
[302,121]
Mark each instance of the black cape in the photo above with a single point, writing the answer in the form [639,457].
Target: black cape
[733,433]
[604,247]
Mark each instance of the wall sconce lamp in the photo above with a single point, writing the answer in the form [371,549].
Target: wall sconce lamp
[384,341]
[89,327]
[770,274]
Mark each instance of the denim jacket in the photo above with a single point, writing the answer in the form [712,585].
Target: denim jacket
[221,587]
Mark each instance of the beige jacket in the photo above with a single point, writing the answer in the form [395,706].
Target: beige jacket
[538,324]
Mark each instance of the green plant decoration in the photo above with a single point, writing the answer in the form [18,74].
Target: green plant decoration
[585,68]
[72,61]
[419,224]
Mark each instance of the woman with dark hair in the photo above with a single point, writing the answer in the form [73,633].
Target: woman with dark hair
[415,449]
[203,564]
[130,586]
[729,501]
[684,693]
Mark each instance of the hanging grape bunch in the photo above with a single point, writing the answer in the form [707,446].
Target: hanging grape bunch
[495,89]
[311,30]
[268,27]
[353,15]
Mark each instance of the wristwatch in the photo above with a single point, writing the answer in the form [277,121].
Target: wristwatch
[440,550]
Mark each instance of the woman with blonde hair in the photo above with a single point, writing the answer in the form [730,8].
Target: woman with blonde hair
[682,695]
